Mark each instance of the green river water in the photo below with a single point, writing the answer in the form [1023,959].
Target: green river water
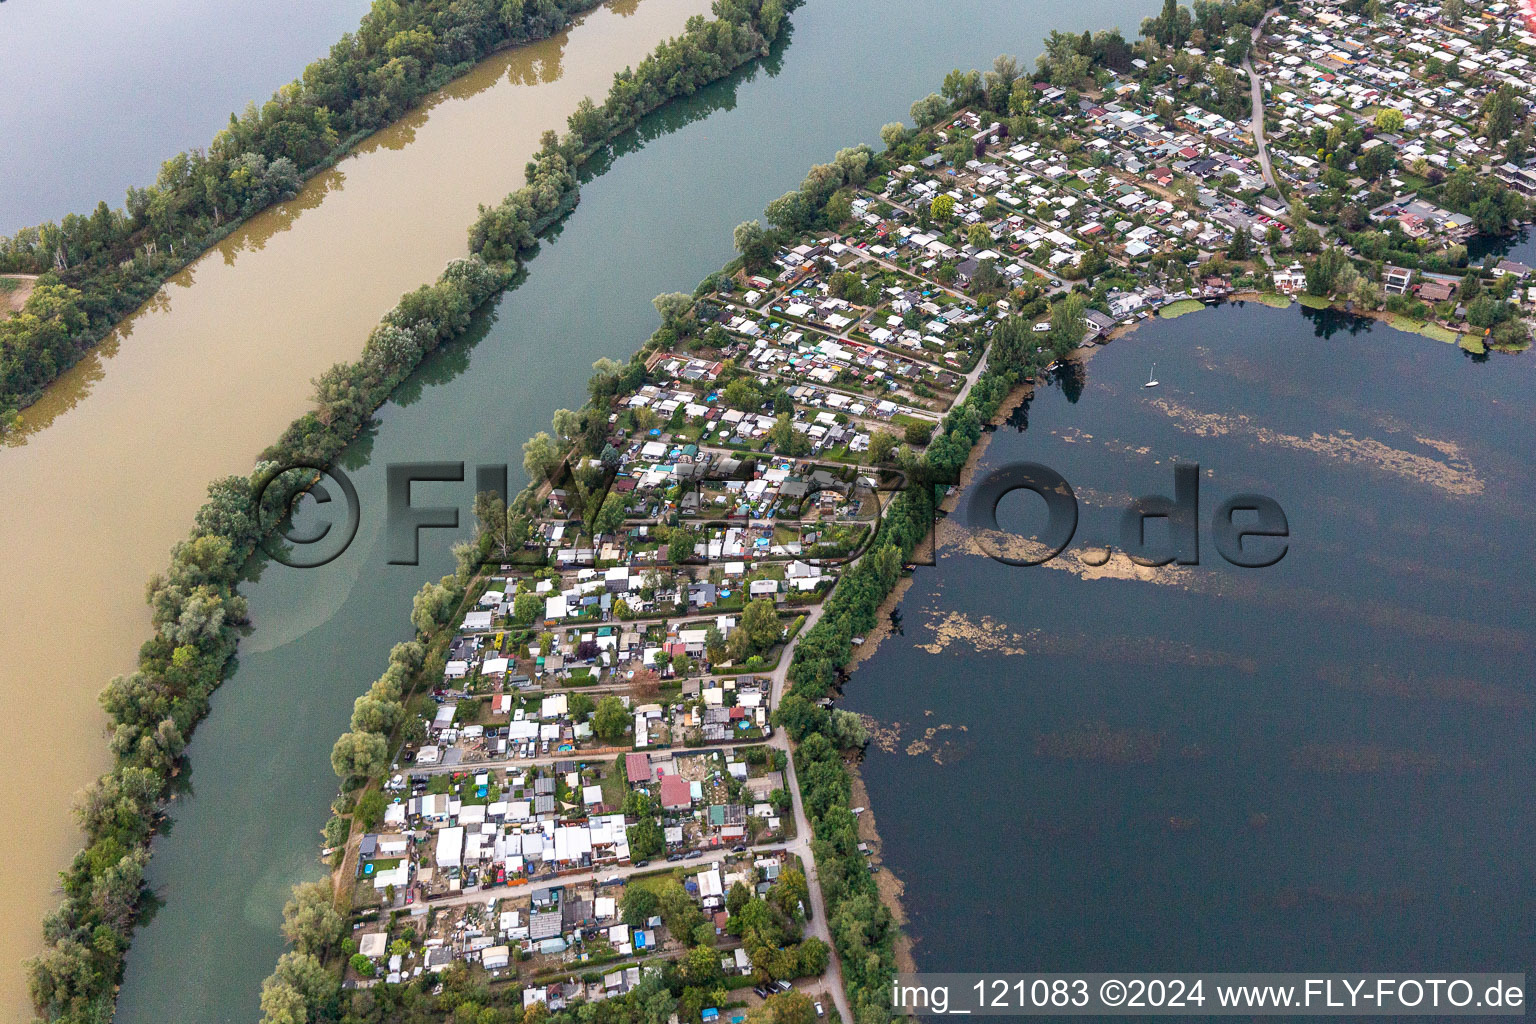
[658,220]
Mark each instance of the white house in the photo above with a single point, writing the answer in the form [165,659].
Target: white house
[450,847]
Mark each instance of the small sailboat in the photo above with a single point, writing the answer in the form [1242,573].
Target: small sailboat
[1151,378]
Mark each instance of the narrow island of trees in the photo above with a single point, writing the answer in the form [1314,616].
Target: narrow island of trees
[198,616]
[96,268]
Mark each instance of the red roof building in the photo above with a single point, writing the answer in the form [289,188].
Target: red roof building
[675,793]
[638,768]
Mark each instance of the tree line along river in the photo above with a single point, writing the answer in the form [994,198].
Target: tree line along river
[209,373]
[100,93]
[1320,763]
[114,459]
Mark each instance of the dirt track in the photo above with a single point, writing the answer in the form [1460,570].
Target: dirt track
[14,289]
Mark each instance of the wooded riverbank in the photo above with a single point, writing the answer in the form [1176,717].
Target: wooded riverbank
[98,267]
[198,616]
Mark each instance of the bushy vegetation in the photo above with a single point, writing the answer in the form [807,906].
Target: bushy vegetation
[198,618]
[98,267]
[462,996]
[197,615]
[862,928]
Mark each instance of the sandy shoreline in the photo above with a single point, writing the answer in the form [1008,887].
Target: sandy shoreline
[887,882]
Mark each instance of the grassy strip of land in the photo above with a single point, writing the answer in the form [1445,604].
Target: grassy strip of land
[198,616]
[862,926]
[1180,308]
[1274,300]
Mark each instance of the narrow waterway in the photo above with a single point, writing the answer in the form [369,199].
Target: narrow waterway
[658,220]
[114,460]
[1320,765]
[99,93]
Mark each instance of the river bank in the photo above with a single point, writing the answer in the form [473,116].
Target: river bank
[888,882]
[277,304]
[107,265]
[1112,754]
[173,69]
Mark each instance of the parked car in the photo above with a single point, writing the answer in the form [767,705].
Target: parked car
[642,863]
[783,986]
[674,857]
[821,1011]
[693,854]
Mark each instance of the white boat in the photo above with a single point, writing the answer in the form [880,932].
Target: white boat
[1151,378]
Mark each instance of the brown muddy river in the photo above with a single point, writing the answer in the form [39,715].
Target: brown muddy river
[112,463]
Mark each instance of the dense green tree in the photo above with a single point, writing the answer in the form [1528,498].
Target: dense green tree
[754,244]
[792,1007]
[882,445]
[611,719]
[310,920]
[679,912]
[431,606]
[371,713]
[1487,311]
[638,906]
[673,306]
[760,622]
[929,110]
[1500,111]
[610,517]
[1067,324]
[359,755]
[1323,272]
[526,608]
[645,838]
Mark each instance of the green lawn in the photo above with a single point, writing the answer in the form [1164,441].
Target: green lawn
[1439,333]
[613,789]
[1177,309]
[1434,331]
